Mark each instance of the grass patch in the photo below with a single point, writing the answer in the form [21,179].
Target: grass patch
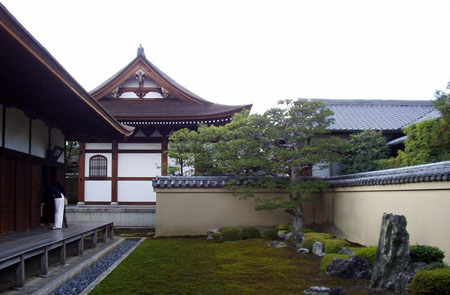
[196,266]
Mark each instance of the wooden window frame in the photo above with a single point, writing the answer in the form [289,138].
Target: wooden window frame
[96,169]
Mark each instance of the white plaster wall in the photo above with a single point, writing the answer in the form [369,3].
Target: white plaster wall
[1,124]
[39,138]
[139,146]
[150,82]
[109,163]
[98,146]
[132,82]
[319,171]
[97,191]
[135,191]
[139,165]
[153,95]
[129,95]
[17,130]
[57,138]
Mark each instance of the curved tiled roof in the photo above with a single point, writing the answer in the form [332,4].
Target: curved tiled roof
[355,115]
[422,173]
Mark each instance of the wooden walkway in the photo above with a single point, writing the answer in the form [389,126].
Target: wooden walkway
[17,247]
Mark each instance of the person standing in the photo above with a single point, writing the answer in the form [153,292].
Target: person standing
[58,196]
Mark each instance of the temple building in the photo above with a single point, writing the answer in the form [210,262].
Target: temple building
[120,172]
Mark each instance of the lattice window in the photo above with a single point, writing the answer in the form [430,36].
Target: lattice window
[98,166]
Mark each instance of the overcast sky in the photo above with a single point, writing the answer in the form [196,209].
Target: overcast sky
[242,52]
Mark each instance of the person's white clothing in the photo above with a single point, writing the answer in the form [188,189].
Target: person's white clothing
[59,211]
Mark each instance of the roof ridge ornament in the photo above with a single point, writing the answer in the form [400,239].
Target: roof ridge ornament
[140,51]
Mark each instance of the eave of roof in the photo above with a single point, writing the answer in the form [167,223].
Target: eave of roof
[9,23]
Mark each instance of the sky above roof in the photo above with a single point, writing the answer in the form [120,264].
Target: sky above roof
[242,52]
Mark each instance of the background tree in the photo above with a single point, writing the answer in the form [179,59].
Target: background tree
[361,152]
[283,144]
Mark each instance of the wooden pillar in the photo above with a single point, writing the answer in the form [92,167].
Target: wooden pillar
[20,272]
[2,193]
[105,234]
[94,239]
[62,254]
[114,182]
[81,246]
[164,156]
[44,263]
[81,173]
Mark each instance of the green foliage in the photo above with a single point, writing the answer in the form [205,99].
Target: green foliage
[436,265]
[180,144]
[308,243]
[360,153]
[271,235]
[328,259]
[284,227]
[250,233]
[335,245]
[369,253]
[427,254]
[431,282]
[323,236]
[286,140]
[230,233]
[217,237]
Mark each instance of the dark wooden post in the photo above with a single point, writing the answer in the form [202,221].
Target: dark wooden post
[81,246]
[94,239]
[81,173]
[164,156]
[62,254]
[115,158]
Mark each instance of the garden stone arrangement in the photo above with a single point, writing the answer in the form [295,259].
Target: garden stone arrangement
[352,268]
[318,290]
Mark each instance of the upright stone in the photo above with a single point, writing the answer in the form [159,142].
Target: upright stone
[393,252]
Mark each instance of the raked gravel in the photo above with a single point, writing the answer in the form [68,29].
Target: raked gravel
[81,281]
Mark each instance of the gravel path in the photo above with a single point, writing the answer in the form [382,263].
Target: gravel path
[81,281]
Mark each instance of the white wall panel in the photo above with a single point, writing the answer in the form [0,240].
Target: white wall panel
[98,146]
[135,191]
[17,130]
[139,165]
[109,163]
[139,146]
[97,191]
[39,138]
[58,139]
[150,83]
[1,124]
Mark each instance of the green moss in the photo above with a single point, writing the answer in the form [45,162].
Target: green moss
[250,233]
[427,254]
[284,227]
[309,242]
[328,259]
[230,233]
[271,234]
[370,253]
[323,236]
[335,245]
[429,282]
[217,237]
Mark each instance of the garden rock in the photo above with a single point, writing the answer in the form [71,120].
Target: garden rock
[318,249]
[281,234]
[299,237]
[210,233]
[318,290]
[277,244]
[393,252]
[405,277]
[347,251]
[303,251]
[288,237]
[351,268]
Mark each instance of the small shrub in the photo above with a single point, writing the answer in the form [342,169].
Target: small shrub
[250,233]
[323,236]
[230,233]
[335,245]
[217,237]
[284,227]
[328,259]
[427,254]
[436,265]
[271,235]
[429,282]
[309,242]
[370,253]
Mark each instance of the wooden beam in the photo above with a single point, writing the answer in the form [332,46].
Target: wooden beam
[115,169]
[164,156]
[81,173]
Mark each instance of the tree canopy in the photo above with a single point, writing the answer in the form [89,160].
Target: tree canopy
[282,144]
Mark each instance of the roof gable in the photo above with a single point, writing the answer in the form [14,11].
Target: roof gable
[148,79]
